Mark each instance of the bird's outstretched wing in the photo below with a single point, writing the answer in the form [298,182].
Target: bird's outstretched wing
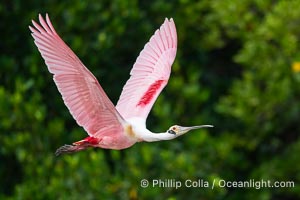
[80,90]
[150,73]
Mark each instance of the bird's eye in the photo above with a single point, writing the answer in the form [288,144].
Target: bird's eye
[174,128]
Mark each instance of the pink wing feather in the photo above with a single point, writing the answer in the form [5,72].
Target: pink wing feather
[80,90]
[150,73]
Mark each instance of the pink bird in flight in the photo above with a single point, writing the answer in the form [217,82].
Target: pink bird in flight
[109,126]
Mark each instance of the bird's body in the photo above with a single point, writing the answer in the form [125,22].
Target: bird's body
[109,126]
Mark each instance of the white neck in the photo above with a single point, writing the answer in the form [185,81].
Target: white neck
[153,137]
[144,134]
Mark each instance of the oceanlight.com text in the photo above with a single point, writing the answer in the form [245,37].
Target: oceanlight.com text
[221,183]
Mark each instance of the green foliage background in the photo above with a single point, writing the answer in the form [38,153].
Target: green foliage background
[233,70]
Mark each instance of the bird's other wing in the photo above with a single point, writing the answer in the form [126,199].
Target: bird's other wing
[150,73]
[80,90]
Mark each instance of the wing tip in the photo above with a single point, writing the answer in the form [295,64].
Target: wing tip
[169,20]
[31,29]
[41,16]
[170,23]
[43,25]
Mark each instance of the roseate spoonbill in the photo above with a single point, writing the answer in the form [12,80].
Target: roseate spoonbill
[108,126]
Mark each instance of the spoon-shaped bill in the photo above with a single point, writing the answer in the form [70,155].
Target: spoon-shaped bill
[184,129]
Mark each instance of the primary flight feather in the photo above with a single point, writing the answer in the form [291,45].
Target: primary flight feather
[109,126]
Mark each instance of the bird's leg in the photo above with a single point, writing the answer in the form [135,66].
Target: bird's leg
[70,149]
[77,146]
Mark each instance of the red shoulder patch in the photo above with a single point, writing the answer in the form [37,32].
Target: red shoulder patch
[92,140]
[87,140]
[147,97]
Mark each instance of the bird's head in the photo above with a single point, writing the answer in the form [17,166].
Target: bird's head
[180,130]
[173,132]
